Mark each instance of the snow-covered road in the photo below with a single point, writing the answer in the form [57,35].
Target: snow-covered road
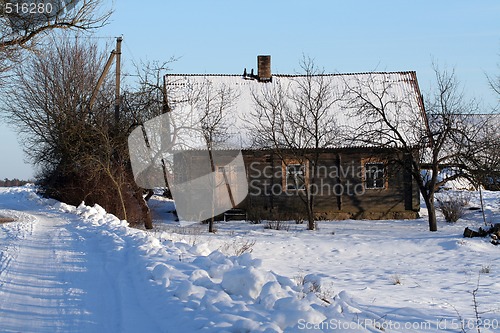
[37,267]
[79,269]
[57,278]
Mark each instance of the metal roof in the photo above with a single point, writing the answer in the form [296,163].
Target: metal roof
[384,88]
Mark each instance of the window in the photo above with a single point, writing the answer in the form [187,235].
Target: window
[375,175]
[230,174]
[225,175]
[295,177]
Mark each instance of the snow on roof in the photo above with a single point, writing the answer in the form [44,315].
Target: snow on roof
[398,92]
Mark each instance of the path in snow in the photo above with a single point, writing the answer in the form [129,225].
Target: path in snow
[56,278]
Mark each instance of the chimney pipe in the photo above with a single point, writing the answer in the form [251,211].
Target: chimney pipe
[264,68]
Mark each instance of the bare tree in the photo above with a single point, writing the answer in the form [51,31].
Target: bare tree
[48,100]
[391,120]
[210,104]
[295,121]
[191,115]
[494,82]
[24,25]
[483,162]
[80,150]
[147,99]
[147,96]
[213,105]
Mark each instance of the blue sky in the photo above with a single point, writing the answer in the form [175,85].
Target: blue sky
[222,36]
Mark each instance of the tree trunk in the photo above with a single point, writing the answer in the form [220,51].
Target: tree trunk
[481,199]
[431,210]
[311,224]
[212,218]
[213,185]
[146,212]
[149,194]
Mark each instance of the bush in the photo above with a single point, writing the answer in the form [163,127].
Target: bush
[238,247]
[452,206]
[277,225]
[254,216]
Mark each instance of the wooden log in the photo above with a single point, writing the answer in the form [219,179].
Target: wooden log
[469,233]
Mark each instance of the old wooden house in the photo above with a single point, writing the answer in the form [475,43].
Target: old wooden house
[341,177]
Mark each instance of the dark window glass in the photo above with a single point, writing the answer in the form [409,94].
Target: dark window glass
[374,175]
[295,177]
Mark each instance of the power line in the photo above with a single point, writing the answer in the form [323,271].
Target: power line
[129,50]
[86,37]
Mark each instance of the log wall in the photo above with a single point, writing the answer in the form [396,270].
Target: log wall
[337,183]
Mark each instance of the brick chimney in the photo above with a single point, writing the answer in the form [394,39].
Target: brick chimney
[264,68]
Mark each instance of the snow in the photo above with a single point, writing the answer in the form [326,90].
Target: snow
[397,91]
[79,269]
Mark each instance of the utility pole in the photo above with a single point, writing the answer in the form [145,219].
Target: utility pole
[118,53]
[115,53]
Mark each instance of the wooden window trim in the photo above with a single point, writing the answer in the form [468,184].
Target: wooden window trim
[370,160]
[284,174]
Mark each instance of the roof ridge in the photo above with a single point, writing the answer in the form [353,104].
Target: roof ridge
[295,75]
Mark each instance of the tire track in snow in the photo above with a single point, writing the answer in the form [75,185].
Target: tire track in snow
[9,233]
[35,287]
[59,277]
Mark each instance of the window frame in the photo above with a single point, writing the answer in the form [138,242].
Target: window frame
[285,175]
[385,179]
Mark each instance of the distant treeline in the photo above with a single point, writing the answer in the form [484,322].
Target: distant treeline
[12,182]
